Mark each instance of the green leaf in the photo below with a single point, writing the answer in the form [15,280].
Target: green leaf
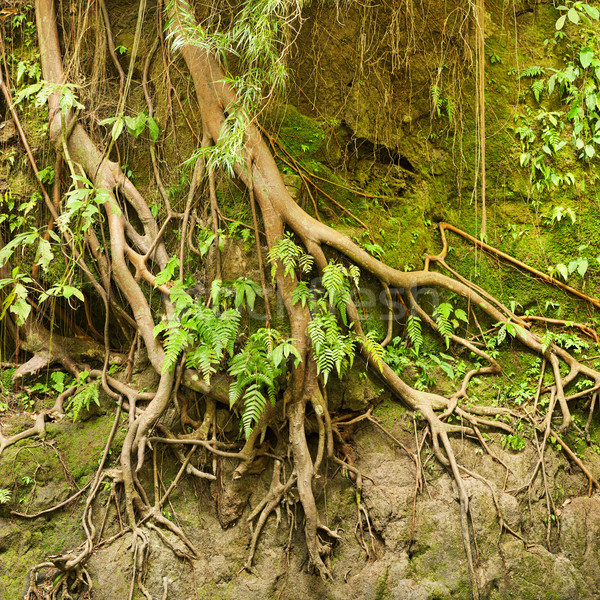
[582,266]
[563,270]
[44,255]
[573,16]
[560,23]
[130,122]
[502,334]
[215,290]
[153,129]
[461,315]
[117,129]
[168,273]
[585,57]
[68,291]
[21,308]
[591,11]
[140,124]
[250,295]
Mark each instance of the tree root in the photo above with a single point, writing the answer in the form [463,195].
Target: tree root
[138,252]
[39,430]
[266,506]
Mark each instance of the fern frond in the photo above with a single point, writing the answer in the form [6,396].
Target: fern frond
[354,274]
[83,399]
[445,328]
[254,405]
[547,340]
[413,329]
[374,349]
[301,294]
[176,342]
[333,279]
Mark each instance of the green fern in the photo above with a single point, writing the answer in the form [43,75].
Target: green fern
[302,294]
[538,87]
[413,329]
[291,257]
[204,334]
[532,71]
[177,340]
[547,340]
[374,349]
[337,281]
[4,496]
[333,348]
[83,399]
[257,368]
[442,318]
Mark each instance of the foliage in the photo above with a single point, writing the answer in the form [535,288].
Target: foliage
[59,381]
[135,125]
[577,85]
[257,368]
[577,265]
[400,358]
[258,38]
[40,91]
[509,327]
[86,395]
[4,496]
[413,330]
[203,333]
[82,206]
[16,299]
[515,440]
[291,256]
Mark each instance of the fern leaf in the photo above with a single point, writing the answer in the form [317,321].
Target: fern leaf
[333,279]
[254,405]
[547,340]
[374,349]
[413,329]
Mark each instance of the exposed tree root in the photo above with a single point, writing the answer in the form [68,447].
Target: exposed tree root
[138,252]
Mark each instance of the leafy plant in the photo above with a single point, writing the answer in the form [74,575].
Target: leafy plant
[508,327]
[204,335]
[257,368]
[40,92]
[59,381]
[82,205]
[16,299]
[135,124]
[413,330]
[87,394]
[515,440]
[291,256]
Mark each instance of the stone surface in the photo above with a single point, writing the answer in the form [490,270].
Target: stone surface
[407,589]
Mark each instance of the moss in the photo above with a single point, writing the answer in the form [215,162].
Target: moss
[39,540]
[382,591]
[91,436]
[390,412]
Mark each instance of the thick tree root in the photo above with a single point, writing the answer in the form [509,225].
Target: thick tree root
[138,252]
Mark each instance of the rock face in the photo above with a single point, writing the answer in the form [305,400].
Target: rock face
[413,554]
[8,131]
[415,547]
